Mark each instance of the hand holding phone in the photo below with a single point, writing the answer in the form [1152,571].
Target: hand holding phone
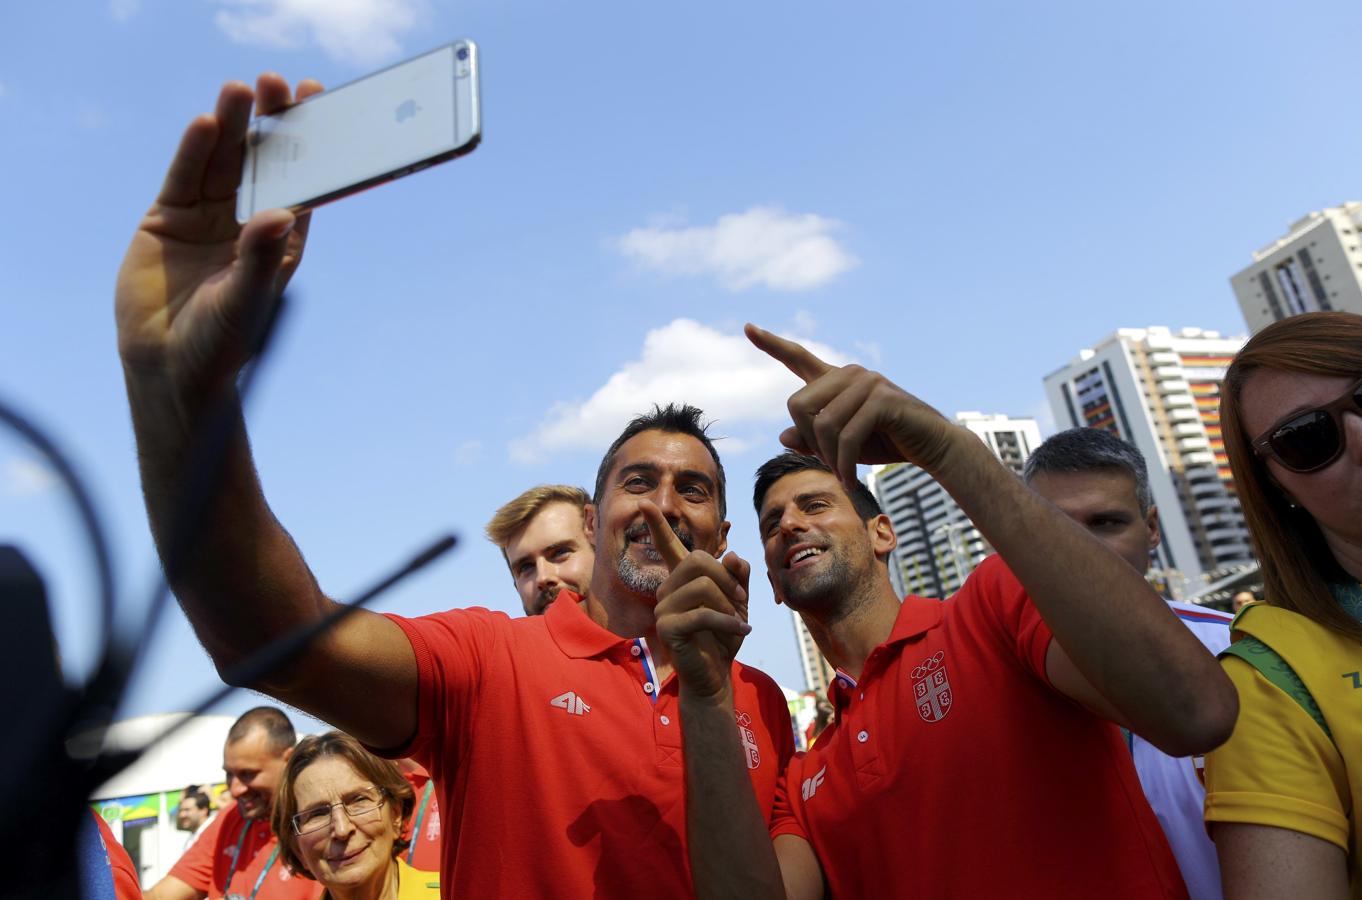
[383,126]
[192,280]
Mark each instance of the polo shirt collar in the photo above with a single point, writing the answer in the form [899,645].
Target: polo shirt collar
[573,630]
[917,616]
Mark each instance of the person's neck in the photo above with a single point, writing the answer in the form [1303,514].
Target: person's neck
[1347,553]
[860,624]
[383,886]
[628,614]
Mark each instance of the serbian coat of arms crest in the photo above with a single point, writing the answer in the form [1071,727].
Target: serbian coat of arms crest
[932,688]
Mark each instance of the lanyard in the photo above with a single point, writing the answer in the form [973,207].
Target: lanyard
[236,857]
[649,673]
[260,879]
[420,817]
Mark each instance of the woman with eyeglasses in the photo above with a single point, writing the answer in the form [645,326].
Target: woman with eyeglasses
[340,814]
[1283,794]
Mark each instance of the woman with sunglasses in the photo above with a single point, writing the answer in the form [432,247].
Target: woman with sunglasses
[340,814]
[1283,794]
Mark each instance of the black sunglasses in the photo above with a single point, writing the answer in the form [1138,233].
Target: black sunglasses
[1310,440]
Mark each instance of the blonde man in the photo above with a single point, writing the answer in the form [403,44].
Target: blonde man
[542,536]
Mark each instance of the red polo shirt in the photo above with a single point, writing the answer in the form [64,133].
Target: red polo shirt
[557,758]
[237,856]
[954,768]
[423,828]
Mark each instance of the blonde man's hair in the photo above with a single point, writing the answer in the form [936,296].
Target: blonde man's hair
[516,515]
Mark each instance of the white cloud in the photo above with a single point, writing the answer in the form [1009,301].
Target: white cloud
[123,10]
[26,477]
[363,32]
[871,350]
[762,246]
[736,385]
[468,453]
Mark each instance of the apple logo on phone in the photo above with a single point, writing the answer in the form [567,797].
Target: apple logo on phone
[407,110]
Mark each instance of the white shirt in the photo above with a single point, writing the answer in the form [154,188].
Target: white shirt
[1173,785]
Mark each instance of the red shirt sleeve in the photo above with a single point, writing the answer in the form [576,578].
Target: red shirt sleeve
[195,867]
[450,648]
[127,886]
[998,592]
[783,817]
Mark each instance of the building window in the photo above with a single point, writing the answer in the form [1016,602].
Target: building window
[1291,280]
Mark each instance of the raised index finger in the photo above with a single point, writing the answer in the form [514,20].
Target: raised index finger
[795,357]
[665,541]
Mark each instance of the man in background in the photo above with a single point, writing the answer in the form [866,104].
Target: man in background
[1101,482]
[193,814]
[542,536]
[235,854]
[1242,599]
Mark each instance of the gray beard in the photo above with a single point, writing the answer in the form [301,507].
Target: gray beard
[640,581]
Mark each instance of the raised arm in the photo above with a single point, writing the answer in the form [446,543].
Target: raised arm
[701,617]
[1117,646]
[192,286]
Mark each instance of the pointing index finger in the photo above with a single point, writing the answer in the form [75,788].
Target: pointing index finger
[794,357]
[665,541]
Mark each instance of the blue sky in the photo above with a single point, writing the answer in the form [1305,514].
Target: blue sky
[961,195]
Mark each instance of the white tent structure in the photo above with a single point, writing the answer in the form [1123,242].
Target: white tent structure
[139,803]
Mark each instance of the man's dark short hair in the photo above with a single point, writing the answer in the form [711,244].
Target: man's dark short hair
[1081,450]
[790,462]
[198,798]
[671,419]
[278,729]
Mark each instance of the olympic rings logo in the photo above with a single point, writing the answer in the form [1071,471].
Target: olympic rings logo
[929,665]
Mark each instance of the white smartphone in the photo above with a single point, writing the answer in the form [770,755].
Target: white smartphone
[383,126]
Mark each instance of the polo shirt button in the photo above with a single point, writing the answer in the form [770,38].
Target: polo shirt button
[863,736]
[634,651]
[666,721]
[862,696]
[648,688]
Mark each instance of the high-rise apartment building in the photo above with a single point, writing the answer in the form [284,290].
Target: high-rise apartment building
[937,545]
[818,674]
[1160,390]
[1316,265]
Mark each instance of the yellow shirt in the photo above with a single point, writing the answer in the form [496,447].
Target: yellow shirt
[412,884]
[1279,767]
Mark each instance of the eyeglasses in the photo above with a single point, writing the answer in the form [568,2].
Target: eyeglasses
[1310,440]
[357,806]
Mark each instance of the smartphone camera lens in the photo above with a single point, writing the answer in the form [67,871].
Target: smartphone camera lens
[462,53]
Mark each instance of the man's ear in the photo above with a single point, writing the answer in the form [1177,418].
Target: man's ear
[589,523]
[775,592]
[882,537]
[287,754]
[1151,524]
[723,540]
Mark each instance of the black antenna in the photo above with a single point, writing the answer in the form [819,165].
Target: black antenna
[48,768]
[273,655]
